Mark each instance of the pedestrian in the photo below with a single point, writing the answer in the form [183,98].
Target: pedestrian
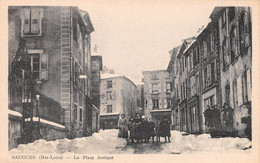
[151,129]
[228,117]
[166,133]
[138,121]
[131,128]
[145,129]
[123,129]
[216,117]
[158,130]
[208,117]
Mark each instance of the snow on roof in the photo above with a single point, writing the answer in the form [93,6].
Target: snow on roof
[15,113]
[189,46]
[104,76]
[117,113]
[35,119]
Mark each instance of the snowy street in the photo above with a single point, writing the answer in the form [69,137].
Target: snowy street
[107,142]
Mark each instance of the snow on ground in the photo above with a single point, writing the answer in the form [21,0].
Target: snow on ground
[107,142]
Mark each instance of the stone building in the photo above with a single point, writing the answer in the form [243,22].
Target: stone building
[96,68]
[117,96]
[235,47]
[58,49]
[157,94]
[219,63]
[140,99]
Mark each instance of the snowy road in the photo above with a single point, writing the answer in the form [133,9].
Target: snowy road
[107,142]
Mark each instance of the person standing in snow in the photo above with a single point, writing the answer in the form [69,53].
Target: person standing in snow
[137,121]
[131,128]
[228,117]
[216,117]
[166,129]
[158,130]
[151,129]
[208,117]
[123,130]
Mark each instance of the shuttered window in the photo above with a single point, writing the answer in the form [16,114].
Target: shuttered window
[31,21]
[39,64]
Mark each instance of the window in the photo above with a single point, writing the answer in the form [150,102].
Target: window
[205,78]
[109,84]
[75,94]
[169,103]
[244,30]
[213,71]
[155,88]
[80,115]
[35,66]
[196,57]
[197,83]
[226,57]
[235,98]
[205,50]
[168,87]
[75,112]
[80,99]
[138,102]
[154,76]
[231,13]
[109,95]
[31,21]
[191,60]
[223,18]
[155,103]
[39,64]
[227,93]
[234,43]
[212,43]
[109,108]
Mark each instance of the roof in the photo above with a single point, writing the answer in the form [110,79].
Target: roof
[216,12]
[152,71]
[113,76]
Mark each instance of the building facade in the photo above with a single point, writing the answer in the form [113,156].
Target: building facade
[117,96]
[57,41]
[235,47]
[219,63]
[140,99]
[157,94]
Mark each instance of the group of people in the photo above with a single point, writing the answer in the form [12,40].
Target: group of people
[219,119]
[142,129]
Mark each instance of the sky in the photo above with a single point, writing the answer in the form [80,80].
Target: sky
[136,36]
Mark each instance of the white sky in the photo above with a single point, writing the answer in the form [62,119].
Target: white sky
[135,36]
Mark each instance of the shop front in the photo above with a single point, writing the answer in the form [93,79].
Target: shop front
[160,114]
[193,115]
[109,121]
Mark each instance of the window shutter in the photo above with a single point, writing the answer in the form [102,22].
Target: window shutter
[44,66]
[188,63]
[249,84]
[165,103]
[26,21]
[35,20]
[113,95]
[164,87]
[160,103]
[209,73]
[239,91]
[150,88]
